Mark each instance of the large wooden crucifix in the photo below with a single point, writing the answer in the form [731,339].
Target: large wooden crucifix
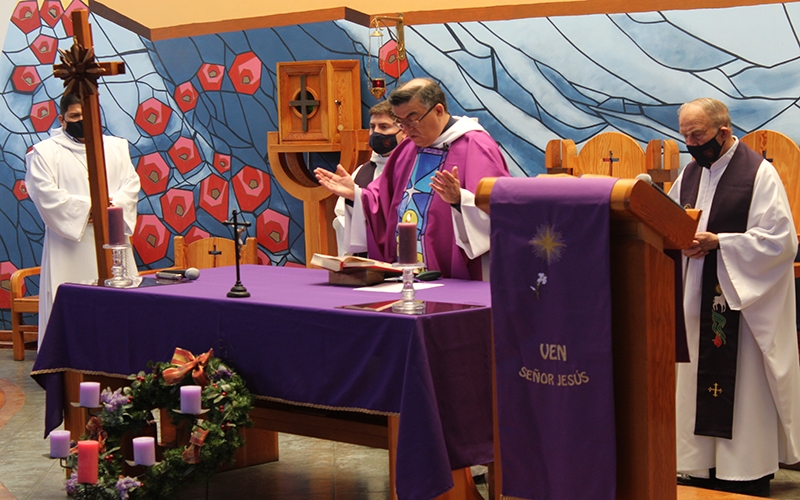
[80,70]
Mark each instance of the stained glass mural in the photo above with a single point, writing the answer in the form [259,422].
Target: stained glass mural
[197,110]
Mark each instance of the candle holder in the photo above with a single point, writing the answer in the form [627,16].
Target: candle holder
[119,270]
[407,304]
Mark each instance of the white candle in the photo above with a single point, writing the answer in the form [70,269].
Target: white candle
[144,450]
[59,444]
[90,394]
[190,399]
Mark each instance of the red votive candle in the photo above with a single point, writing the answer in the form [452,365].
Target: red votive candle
[116,226]
[88,454]
[407,243]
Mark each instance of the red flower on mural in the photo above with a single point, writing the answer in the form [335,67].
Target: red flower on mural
[177,208]
[185,155]
[245,73]
[151,238]
[186,96]
[25,78]
[210,76]
[251,187]
[26,16]
[272,231]
[43,114]
[153,173]
[214,197]
[152,116]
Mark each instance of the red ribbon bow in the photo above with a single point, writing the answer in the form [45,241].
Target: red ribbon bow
[184,362]
[191,455]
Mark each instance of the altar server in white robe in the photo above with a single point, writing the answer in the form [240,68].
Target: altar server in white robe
[754,276]
[57,180]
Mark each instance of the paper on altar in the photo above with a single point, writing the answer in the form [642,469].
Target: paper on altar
[395,287]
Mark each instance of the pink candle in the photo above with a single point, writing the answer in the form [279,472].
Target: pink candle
[144,450]
[116,226]
[407,243]
[88,454]
[190,399]
[59,444]
[90,394]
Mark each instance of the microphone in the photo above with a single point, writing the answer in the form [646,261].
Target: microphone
[649,179]
[191,273]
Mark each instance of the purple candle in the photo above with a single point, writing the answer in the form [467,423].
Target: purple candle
[90,394]
[144,450]
[116,226]
[59,444]
[407,243]
[190,399]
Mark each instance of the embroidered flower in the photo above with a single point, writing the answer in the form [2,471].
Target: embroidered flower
[540,282]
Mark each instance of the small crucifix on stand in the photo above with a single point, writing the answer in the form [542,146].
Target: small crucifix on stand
[238,290]
[80,70]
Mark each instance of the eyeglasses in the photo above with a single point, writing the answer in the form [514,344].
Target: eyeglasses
[405,123]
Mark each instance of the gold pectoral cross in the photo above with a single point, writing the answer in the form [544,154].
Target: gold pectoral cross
[716,390]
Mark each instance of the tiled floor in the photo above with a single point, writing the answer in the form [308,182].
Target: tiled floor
[308,469]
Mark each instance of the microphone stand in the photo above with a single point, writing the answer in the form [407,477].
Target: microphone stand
[238,290]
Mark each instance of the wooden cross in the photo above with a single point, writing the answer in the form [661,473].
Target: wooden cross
[716,390]
[304,102]
[80,70]
[214,252]
[764,154]
[611,161]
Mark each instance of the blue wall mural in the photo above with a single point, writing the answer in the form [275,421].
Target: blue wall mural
[197,126]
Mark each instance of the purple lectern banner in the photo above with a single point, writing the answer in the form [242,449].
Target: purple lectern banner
[551,307]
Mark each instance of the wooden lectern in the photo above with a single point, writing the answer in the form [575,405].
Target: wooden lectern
[319,111]
[643,224]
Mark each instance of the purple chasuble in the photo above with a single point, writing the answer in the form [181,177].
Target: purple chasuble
[551,308]
[477,156]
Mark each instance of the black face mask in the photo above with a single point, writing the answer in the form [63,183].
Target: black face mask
[706,154]
[382,144]
[75,129]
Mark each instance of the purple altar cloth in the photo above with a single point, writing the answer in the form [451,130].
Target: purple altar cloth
[551,297]
[291,344]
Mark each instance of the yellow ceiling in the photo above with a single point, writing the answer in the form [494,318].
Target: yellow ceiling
[163,19]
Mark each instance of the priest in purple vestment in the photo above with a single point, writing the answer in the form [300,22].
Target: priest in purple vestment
[430,179]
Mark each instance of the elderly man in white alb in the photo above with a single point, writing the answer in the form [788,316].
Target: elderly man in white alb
[57,179]
[738,399]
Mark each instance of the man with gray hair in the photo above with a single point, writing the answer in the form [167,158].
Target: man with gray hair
[430,179]
[738,399]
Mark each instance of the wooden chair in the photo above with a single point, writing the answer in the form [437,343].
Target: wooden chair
[22,304]
[212,252]
[616,155]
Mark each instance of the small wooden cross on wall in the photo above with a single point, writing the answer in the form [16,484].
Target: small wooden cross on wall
[764,154]
[80,70]
[611,161]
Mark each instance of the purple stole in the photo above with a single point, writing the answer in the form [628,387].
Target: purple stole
[719,325]
[551,309]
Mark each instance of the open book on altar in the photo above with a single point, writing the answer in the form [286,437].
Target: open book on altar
[351,262]
[352,270]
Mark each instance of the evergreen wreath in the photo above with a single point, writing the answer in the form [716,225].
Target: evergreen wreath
[215,436]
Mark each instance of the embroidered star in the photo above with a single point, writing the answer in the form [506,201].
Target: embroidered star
[548,244]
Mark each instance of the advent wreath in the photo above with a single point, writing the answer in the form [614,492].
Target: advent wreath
[215,435]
